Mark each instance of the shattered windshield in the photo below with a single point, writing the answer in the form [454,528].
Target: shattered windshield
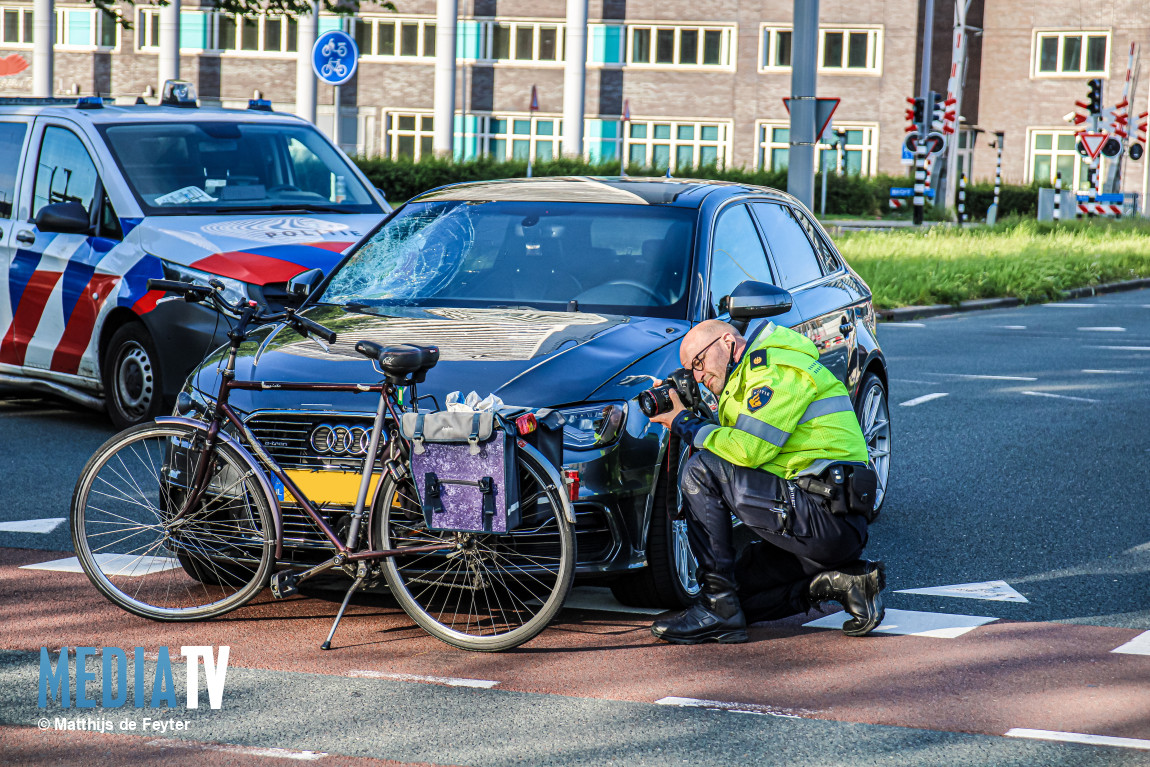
[614,258]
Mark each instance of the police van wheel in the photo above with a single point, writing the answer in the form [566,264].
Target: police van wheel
[669,580]
[873,410]
[131,371]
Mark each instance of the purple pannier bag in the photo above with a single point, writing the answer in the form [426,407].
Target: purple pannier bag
[462,464]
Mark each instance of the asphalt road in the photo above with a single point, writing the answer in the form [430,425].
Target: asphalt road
[1019,457]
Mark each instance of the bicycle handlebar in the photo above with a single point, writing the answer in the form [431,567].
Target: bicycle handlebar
[194,293]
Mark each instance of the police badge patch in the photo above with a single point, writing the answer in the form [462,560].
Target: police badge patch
[759,397]
[758,359]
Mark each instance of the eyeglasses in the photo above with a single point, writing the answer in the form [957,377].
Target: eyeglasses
[697,360]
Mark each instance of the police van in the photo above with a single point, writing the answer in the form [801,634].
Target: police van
[96,198]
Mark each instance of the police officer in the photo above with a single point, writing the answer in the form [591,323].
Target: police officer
[784,419]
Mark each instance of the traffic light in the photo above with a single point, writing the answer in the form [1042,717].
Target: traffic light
[914,114]
[1094,96]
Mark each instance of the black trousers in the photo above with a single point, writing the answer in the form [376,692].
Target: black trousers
[800,537]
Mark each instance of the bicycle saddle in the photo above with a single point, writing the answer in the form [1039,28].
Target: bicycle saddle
[402,363]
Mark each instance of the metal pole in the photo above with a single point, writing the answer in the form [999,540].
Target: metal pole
[169,63]
[575,78]
[804,47]
[955,87]
[335,116]
[446,13]
[1058,197]
[43,42]
[305,87]
[924,72]
[823,202]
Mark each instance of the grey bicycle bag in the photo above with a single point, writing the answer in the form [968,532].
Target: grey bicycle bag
[463,468]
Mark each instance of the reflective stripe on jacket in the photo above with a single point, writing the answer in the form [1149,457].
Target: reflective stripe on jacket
[781,410]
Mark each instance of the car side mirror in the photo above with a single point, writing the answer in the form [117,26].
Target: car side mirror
[302,285]
[753,300]
[63,218]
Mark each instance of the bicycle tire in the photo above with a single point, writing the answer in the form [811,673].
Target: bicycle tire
[213,560]
[514,584]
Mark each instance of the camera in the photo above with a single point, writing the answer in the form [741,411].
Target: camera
[657,399]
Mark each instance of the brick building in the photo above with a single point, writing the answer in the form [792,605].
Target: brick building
[703,79]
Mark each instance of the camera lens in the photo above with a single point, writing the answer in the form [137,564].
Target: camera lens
[655,401]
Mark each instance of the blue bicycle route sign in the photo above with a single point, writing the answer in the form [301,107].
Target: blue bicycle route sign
[334,57]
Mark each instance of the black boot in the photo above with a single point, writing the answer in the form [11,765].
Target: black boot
[717,616]
[857,588]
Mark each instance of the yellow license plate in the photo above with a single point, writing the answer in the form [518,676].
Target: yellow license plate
[329,488]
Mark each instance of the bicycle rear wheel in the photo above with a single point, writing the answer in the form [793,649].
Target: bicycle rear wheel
[489,592]
[210,561]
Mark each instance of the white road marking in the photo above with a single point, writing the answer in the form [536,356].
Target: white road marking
[1071,306]
[1014,327]
[281,753]
[912,381]
[1079,737]
[738,708]
[600,598]
[904,325]
[985,377]
[1139,645]
[1111,372]
[1058,396]
[922,399]
[1104,330]
[993,591]
[32,525]
[111,564]
[912,623]
[1124,348]
[450,681]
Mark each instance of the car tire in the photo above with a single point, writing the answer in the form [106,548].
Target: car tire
[873,410]
[669,580]
[133,391]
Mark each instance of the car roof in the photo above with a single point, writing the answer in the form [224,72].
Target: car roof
[144,113]
[630,190]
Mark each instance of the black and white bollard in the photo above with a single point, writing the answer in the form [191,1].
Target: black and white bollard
[1058,197]
[997,172]
[919,181]
[962,199]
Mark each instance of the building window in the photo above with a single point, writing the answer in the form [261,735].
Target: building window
[1052,152]
[88,28]
[859,154]
[410,135]
[512,137]
[674,145]
[256,34]
[18,26]
[387,38]
[850,50]
[680,46]
[520,41]
[1071,53]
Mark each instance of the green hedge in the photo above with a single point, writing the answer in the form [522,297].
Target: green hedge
[846,195]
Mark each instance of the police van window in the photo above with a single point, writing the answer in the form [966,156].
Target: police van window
[65,172]
[736,254]
[794,257]
[827,258]
[11,141]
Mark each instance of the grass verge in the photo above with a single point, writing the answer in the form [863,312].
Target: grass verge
[1018,257]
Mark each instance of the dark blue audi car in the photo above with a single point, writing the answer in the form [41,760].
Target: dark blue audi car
[562,293]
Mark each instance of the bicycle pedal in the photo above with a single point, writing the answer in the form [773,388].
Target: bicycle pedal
[283,584]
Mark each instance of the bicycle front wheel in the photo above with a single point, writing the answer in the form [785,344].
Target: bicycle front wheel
[489,592]
[147,558]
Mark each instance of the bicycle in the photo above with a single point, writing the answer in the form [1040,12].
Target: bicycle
[177,519]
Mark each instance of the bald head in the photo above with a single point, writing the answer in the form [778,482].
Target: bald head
[702,335]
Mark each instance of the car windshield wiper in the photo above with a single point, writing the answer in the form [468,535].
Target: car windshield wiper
[294,207]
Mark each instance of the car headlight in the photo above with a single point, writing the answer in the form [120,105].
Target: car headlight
[593,425]
[234,291]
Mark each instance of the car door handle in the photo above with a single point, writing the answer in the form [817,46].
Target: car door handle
[26,235]
[846,327]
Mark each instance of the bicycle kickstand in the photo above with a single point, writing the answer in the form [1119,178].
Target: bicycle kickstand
[360,577]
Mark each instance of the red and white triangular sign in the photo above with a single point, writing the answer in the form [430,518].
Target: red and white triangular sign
[824,110]
[534,99]
[1093,143]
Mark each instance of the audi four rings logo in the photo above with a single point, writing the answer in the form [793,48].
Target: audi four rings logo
[338,439]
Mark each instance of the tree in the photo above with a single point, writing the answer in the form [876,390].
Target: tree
[294,8]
